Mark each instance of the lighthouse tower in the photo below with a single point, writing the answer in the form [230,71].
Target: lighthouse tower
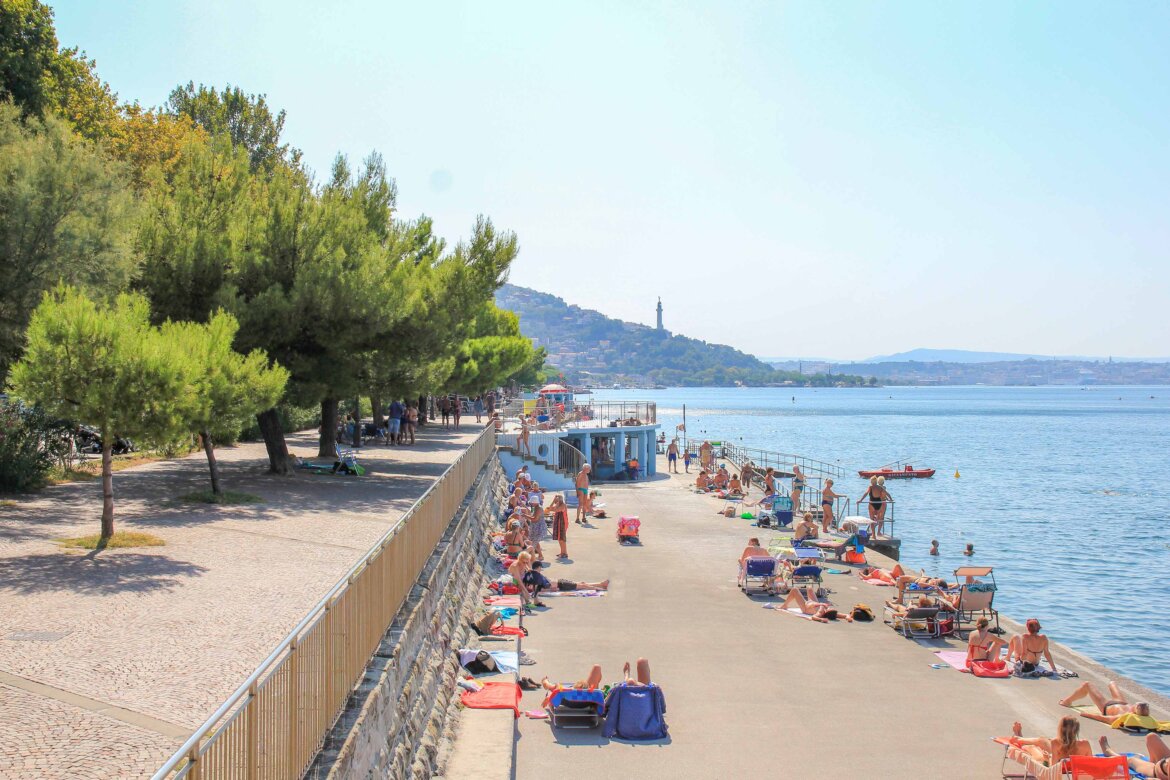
[660,315]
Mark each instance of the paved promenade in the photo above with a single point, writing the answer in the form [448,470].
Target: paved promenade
[107,663]
[751,690]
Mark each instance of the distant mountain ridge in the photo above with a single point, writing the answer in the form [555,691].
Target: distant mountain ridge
[590,348]
[922,355]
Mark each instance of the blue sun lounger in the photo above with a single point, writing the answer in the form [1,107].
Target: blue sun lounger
[761,570]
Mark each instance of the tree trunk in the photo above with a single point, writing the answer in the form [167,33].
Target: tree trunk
[107,485]
[357,422]
[376,405]
[422,410]
[278,458]
[212,466]
[327,447]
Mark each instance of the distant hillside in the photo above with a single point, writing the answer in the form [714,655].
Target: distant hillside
[590,348]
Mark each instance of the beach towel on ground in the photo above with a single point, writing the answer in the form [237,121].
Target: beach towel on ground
[500,629]
[494,696]
[502,601]
[1133,722]
[507,660]
[879,583]
[953,658]
[548,594]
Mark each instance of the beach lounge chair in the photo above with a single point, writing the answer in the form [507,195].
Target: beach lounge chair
[576,708]
[915,623]
[807,575]
[975,600]
[571,499]
[762,570]
[635,712]
[628,528]
[1018,765]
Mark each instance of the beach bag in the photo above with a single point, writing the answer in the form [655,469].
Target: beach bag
[483,663]
[852,556]
[862,613]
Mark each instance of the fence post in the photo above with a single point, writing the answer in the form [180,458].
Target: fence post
[252,718]
[195,772]
[294,729]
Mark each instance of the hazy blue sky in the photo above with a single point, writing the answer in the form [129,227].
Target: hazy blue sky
[838,179]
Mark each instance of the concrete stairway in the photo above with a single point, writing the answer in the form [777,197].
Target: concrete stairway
[545,473]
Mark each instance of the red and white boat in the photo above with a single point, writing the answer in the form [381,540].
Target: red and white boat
[905,471]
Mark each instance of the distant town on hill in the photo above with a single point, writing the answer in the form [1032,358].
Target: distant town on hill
[591,349]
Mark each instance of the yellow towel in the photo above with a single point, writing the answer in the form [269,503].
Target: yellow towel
[1132,720]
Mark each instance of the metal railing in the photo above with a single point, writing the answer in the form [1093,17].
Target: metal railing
[569,458]
[887,531]
[590,413]
[780,461]
[275,723]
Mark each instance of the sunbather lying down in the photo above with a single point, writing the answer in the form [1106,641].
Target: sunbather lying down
[1157,766]
[820,611]
[1111,708]
[593,681]
[889,577]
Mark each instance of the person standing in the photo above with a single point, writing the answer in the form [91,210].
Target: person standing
[687,461]
[582,487]
[522,439]
[397,410]
[797,486]
[559,512]
[411,422]
[478,406]
[445,411]
[828,496]
[672,456]
[456,408]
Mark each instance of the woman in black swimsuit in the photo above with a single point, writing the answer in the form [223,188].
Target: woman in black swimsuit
[827,499]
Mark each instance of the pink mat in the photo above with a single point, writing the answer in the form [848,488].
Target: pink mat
[956,659]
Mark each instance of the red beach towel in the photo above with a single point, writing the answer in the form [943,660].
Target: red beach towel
[502,601]
[499,629]
[494,696]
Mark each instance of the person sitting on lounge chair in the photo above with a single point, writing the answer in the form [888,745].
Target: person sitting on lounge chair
[1026,649]
[905,582]
[753,550]
[1111,709]
[593,681]
[1049,752]
[820,611]
[924,602]
[1157,767]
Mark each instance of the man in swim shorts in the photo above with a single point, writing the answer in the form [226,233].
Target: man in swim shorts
[672,456]
[583,493]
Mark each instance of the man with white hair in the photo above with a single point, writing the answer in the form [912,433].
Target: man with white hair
[583,492]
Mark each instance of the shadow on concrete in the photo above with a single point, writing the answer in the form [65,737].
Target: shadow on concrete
[595,738]
[110,572]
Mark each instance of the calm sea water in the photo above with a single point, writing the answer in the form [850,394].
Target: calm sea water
[1065,491]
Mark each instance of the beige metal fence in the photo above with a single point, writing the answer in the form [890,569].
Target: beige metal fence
[275,723]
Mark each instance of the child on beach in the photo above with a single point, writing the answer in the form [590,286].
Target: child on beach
[687,462]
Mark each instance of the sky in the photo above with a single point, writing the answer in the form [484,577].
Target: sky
[837,179]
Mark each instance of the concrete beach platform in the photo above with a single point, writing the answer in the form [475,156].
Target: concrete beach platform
[751,690]
[108,662]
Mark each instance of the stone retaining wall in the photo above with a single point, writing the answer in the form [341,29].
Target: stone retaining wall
[398,717]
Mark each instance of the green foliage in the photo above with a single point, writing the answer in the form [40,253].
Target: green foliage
[292,418]
[105,364]
[28,49]
[244,119]
[67,214]
[82,99]
[230,388]
[25,460]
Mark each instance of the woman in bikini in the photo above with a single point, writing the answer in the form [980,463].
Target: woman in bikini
[1111,709]
[1156,767]
[982,645]
[886,500]
[753,550]
[514,538]
[1049,752]
[827,499]
[807,603]
[1026,649]
[522,439]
